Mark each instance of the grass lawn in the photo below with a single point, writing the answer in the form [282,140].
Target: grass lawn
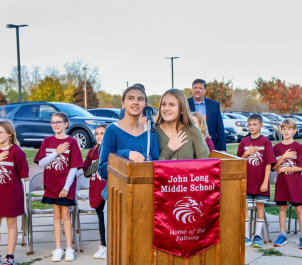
[232,149]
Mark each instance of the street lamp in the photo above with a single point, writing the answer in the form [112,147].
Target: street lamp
[172,58]
[18,53]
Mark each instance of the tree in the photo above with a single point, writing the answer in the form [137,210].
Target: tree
[281,98]
[13,96]
[92,100]
[3,100]
[154,100]
[52,90]
[6,84]
[221,92]
[74,74]
[187,92]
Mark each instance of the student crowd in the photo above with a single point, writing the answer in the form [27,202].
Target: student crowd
[185,129]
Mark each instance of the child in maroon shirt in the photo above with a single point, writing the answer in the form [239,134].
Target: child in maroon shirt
[97,185]
[13,167]
[61,157]
[289,181]
[200,123]
[259,153]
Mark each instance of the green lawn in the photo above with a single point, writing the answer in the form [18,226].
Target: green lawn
[232,149]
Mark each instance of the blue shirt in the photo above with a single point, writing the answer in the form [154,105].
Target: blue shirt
[200,107]
[120,142]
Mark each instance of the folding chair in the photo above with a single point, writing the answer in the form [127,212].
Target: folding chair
[36,184]
[83,184]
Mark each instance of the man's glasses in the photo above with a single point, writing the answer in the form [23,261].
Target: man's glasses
[56,122]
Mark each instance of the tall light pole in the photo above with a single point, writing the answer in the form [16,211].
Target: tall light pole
[172,58]
[85,90]
[18,55]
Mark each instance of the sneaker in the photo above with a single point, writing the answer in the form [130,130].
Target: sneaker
[300,245]
[9,261]
[69,254]
[280,241]
[99,253]
[257,243]
[57,254]
[248,242]
[104,254]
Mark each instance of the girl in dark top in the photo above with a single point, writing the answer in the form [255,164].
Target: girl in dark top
[97,185]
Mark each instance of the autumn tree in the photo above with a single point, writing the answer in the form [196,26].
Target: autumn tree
[154,100]
[281,98]
[92,99]
[51,89]
[221,92]
[3,100]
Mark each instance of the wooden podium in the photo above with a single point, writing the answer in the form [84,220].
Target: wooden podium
[130,215]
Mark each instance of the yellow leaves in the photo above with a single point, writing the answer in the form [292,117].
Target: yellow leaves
[51,89]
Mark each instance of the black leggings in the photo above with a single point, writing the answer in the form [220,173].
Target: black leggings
[100,214]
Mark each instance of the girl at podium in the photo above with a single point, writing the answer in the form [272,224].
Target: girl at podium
[178,137]
[127,137]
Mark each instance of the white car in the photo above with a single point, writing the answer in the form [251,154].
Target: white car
[240,126]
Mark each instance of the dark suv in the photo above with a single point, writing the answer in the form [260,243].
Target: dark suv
[32,121]
[107,113]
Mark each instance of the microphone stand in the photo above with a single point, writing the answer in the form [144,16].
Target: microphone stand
[148,141]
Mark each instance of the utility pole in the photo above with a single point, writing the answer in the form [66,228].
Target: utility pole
[172,58]
[85,89]
[18,55]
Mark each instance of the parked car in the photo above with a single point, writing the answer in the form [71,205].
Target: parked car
[241,127]
[105,112]
[243,113]
[296,118]
[277,119]
[230,135]
[32,121]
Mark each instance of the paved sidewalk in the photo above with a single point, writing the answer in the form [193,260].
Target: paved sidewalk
[291,254]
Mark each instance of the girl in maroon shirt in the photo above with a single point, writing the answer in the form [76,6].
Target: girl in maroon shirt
[13,167]
[200,123]
[61,157]
[97,185]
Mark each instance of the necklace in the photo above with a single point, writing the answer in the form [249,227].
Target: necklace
[131,129]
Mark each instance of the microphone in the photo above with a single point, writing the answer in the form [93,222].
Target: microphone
[148,111]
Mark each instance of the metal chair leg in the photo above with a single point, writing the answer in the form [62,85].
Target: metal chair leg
[73,228]
[80,232]
[289,219]
[296,223]
[251,222]
[31,235]
[267,228]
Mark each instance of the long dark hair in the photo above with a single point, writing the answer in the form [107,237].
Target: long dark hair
[97,146]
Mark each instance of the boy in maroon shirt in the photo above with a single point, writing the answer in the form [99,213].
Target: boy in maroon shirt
[259,153]
[289,181]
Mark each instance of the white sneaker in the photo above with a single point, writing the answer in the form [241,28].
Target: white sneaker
[57,254]
[99,253]
[69,254]
[104,254]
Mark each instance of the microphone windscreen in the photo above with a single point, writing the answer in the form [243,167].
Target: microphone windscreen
[148,108]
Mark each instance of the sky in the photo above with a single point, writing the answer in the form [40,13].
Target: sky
[129,40]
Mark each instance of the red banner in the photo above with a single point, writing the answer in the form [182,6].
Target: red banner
[186,206]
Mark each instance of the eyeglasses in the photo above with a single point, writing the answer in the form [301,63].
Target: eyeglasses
[56,122]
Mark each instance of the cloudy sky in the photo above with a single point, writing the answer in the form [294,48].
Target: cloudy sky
[128,40]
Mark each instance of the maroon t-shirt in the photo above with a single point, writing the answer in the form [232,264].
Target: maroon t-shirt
[210,144]
[256,163]
[289,184]
[12,169]
[55,173]
[97,184]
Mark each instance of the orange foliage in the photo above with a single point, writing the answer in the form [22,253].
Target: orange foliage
[281,98]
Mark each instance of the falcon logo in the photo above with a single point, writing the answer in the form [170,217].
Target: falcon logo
[58,163]
[255,159]
[288,163]
[186,209]
[4,173]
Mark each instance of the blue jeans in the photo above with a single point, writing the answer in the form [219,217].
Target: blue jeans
[105,222]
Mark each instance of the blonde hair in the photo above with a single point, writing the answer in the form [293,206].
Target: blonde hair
[202,124]
[184,114]
[10,129]
[290,123]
